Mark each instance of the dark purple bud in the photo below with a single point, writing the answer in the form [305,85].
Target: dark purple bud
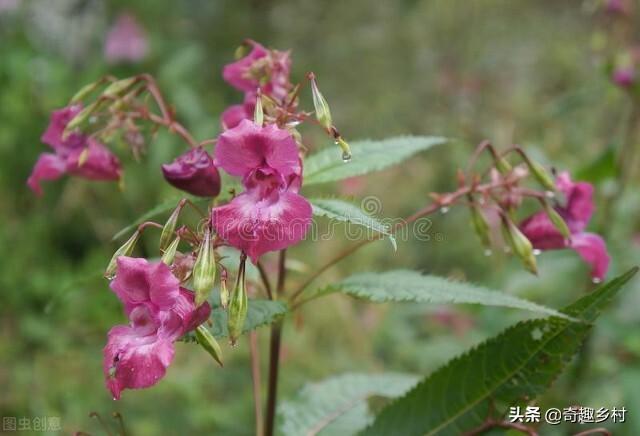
[194,172]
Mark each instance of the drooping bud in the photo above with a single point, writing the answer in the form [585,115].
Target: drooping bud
[125,250]
[258,113]
[480,224]
[119,86]
[224,290]
[194,172]
[520,245]
[209,343]
[204,269]
[170,253]
[323,113]
[557,220]
[501,164]
[541,175]
[170,226]
[239,304]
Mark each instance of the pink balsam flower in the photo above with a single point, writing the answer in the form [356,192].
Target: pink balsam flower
[76,154]
[126,41]
[159,311]
[262,68]
[270,214]
[576,212]
[194,172]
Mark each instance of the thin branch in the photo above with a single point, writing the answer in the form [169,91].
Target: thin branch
[265,280]
[256,378]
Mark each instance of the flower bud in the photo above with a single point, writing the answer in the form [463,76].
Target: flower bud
[209,343]
[125,250]
[520,245]
[204,269]
[224,291]
[238,305]
[541,175]
[323,114]
[258,113]
[170,253]
[170,227]
[194,172]
[119,86]
[480,225]
[557,220]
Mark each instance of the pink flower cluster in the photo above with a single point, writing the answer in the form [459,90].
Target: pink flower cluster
[160,312]
[262,68]
[75,154]
[576,212]
[126,41]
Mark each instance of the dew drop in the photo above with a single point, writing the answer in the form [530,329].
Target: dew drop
[444,209]
[596,280]
[550,194]
[536,252]
[115,399]
[346,156]
[488,252]
[93,119]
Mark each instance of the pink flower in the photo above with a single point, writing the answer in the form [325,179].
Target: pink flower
[270,215]
[576,212]
[159,311]
[194,172]
[232,116]
[76,154]
[126,41]
[266,69]
[624,76]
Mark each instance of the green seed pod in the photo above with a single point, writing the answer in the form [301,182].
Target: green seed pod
[541,175]
[555,218]
[503,165]
[125,250]
[323,113]
[170,227]
[119,86]
[520,245]
[80,118]
[85,91]
[209,343]
[224,290]
[204,269]
[170,253]
[238,306]
[480,225]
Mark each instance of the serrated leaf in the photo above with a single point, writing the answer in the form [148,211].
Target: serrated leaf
[412,286]
[367,156]
[516,365]
[163,207]
[347,212]
[338,405]
[260,313]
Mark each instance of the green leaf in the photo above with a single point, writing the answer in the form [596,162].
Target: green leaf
[163,207]
[347,212]
[338,405]
[367,156]
[411,286]
[260,313]
[519,364]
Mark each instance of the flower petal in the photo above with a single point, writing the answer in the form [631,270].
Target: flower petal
[542,233]
[58,121]
[48,167]
[133,360]
[248,147]
[256,225]
[99,163]
[139,281]
[194,172]
[593,250]
[238,74]
[579,202]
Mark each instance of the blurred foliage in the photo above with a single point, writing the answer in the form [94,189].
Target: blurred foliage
[507,70]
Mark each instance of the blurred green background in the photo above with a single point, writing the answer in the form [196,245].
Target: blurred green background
[512,71]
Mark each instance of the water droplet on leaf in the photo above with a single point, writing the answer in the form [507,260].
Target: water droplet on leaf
[346,156]
[444,209]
